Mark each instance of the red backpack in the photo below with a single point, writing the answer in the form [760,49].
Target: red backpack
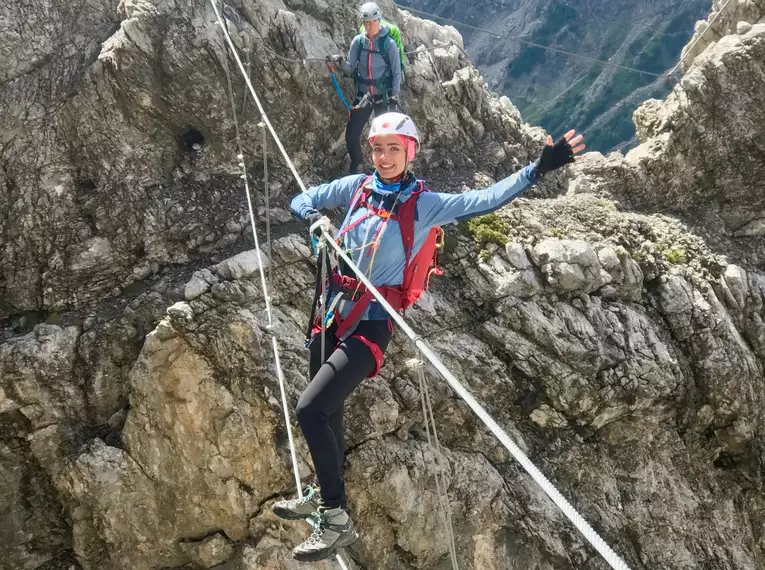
[417,269]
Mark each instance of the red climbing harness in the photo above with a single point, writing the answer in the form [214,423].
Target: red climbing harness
[417,269]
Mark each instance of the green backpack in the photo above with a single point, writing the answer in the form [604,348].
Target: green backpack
[394,32]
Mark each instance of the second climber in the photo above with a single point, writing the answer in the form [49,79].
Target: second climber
[374,60]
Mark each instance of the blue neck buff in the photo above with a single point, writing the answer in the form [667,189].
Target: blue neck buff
[404,185]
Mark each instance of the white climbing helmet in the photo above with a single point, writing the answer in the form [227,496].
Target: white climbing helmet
[370,11]
[394,123]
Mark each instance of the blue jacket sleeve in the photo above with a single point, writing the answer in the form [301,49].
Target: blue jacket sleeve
[352,61]
[438,209]
[395,64]
[331,195]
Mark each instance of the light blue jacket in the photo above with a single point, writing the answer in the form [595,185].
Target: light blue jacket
[433,209]
[368,68]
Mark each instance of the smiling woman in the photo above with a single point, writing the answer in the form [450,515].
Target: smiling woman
[391,230]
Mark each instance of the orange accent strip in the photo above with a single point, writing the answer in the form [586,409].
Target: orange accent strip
[369,66]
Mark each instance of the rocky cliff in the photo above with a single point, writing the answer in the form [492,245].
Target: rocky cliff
[612,321]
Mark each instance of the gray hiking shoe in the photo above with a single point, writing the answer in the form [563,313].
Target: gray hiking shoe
[333,529]
[296,509]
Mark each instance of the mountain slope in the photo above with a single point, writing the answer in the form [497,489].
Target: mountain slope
[559,91]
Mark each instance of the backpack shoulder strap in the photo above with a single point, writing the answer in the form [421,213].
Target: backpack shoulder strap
[406,215]
[358,198]
[420,267]
[382,49]
[361,195]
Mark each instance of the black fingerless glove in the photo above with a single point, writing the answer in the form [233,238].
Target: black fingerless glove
[553,157]
[312,216]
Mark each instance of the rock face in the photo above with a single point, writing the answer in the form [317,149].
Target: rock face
[700,157]
[615,331]
[209,552]
[638,367]
[118,148]
[38,389]
[60,386]
[734,17]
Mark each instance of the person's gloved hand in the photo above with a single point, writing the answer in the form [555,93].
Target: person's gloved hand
[336,59]
[312,216]
[554,156]
[315,222]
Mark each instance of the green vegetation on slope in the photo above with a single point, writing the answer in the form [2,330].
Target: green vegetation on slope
[656,50]
[560,20]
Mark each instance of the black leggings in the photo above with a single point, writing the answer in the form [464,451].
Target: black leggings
[357,118]
[320,408]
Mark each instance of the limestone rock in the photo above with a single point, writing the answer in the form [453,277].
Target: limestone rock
[737,17]
[38,380]
[33,527]
[420,31]
[512,109]
[689,142]
[136,189]
[504,279]
[37,376]
[59,387]
[569,265]
[615,332]
[395,482]
[199,284]
[209,552]
[724,72]
[516,255]
[92,485]
[241,265]
[187,435]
